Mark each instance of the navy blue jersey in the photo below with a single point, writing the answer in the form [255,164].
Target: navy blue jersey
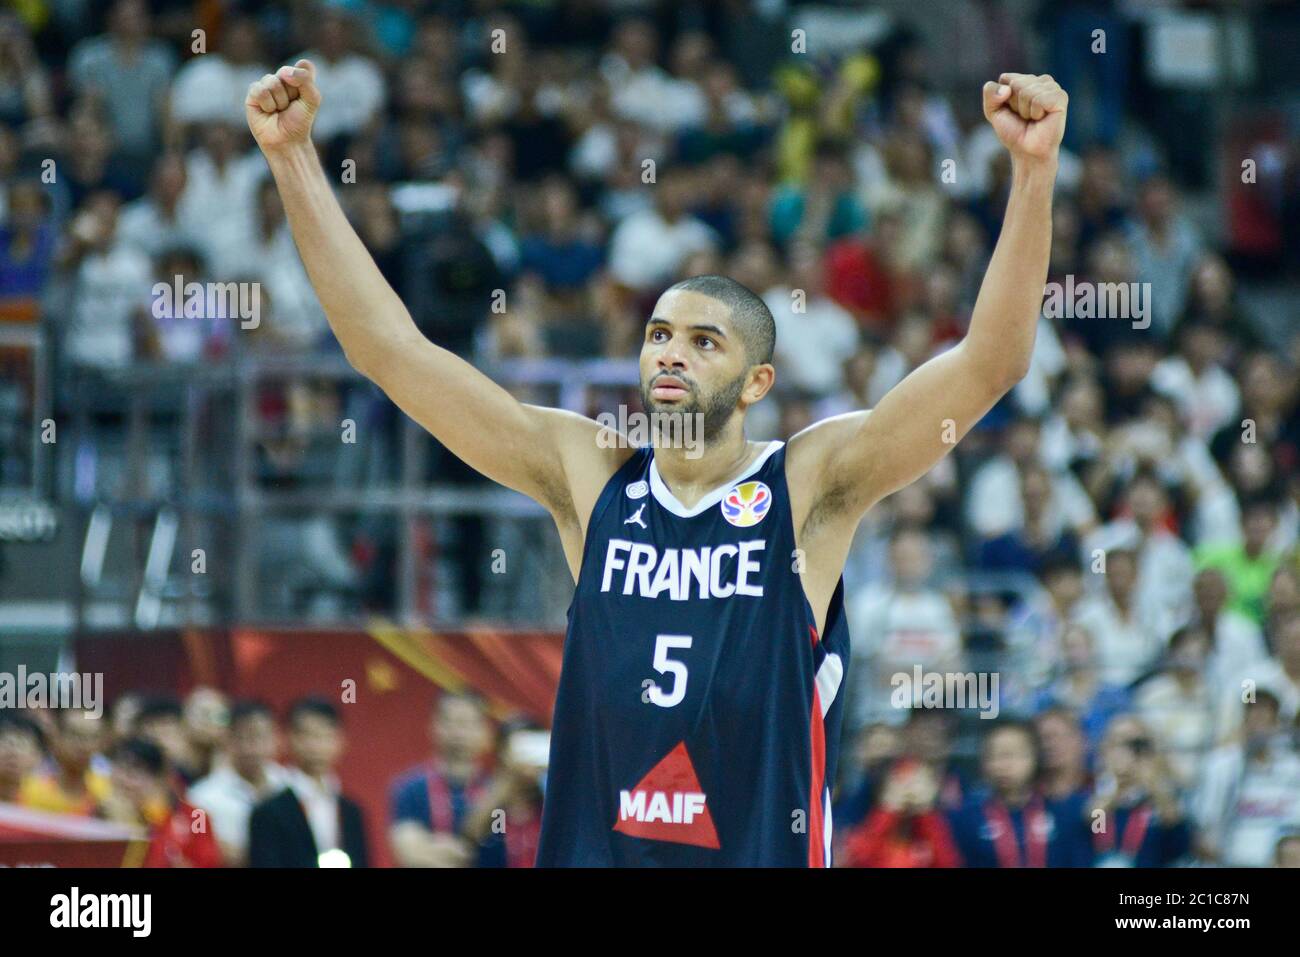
[698,714]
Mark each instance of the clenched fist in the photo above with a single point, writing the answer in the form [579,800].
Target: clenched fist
[281,106]
[1027,113]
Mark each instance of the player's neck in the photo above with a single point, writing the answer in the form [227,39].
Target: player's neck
[691,473]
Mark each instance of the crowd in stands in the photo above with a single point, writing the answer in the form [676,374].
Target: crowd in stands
[202,782]
[1119,540]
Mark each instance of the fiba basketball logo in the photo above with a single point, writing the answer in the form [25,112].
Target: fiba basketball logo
[746,504]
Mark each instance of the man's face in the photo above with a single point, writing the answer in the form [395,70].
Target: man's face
[1210,591]
[1009,761]
[461,729]
[1062,742]
[316,743]
[1123,749]
[1121,574]
[20,753]
[1288,853]
[168,732]
[78,740]
[693,360]
[135,782]
[206,716]
[252,741]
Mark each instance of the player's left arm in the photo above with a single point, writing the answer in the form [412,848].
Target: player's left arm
[842,466]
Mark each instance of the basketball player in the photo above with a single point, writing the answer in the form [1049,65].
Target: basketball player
[698,713]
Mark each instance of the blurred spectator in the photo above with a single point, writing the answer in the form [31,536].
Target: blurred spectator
[823,208]
[1166,248]
[897,626]
[1064,756]
[1249,793]
[245,775]
[128,72]
[1248,565]
[154,222]
[21,747]
[310,823]
[1126,642]
[814,335]
[430,806]
[1179,706]
[647,248]
[141,794]
[351,83]
[211,88]
[27,245]
[1135,814]
[906,829]
[71,784]
[506,822]
[161,720]
[1081,684]
[1007,822]
[112,281]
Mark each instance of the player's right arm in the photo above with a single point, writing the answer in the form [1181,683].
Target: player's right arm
[550,455]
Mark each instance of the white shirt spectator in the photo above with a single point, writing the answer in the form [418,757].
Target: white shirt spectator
[1264,673]
[1125,647]
[1207,402]
[1238,646]
[211,89]
[812,346]
[229,799]
[143,224]
[994,506]
[1183,720]
[111,288]
[646,250]
[1164,574]
[352,91]
[893,631]
[220,202]
[653,97]
[297,317]
[1243,806]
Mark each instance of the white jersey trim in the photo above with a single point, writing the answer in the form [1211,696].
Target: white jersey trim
[659,489]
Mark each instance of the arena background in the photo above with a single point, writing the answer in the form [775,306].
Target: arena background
[189,505]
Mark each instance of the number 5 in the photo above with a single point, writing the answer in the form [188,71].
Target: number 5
[665,666]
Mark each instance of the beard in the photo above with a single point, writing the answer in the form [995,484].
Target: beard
[715,407]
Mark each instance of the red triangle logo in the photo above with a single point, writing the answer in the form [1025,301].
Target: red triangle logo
[668,805]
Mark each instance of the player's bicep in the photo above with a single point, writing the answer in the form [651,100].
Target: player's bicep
[475,418]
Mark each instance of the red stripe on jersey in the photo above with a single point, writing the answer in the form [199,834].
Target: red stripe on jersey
[816,825]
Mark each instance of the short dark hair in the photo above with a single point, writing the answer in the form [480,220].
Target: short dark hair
[318,706]
[15,721]
[141,752]
[749,313]
[1019,726]
[242,711]
[158,706]
[462,694]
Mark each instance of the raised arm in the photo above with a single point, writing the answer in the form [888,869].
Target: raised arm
[850,462]
[547,454]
